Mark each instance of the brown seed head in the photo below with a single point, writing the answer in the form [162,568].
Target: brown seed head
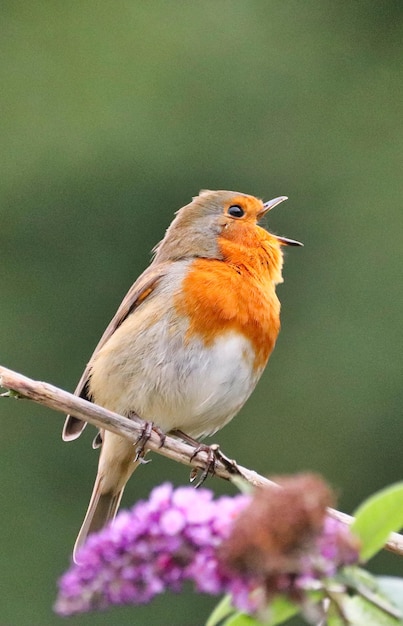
[278,527]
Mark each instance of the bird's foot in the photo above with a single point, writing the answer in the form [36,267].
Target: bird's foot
[145,436]
[199,447]
[214,454]
[210,464]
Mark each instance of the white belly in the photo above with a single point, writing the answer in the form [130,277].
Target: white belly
[207,389]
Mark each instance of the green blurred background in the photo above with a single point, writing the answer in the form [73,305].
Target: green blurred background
[113,116]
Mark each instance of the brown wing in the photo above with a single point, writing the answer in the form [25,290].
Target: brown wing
[142,288]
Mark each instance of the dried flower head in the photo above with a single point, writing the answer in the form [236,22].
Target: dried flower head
[278,526]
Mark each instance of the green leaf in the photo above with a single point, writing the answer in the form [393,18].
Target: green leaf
[240,619]
[223,609]
[11,394]
[333,617]
[357,578]
[358,611]
[368,587]
[243,485]
[279,611]
[377,517]
[392,587]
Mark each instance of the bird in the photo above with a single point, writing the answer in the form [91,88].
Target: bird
[190,339]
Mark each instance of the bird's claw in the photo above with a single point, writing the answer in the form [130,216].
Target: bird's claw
[214,455]
[209,468]
[144,437]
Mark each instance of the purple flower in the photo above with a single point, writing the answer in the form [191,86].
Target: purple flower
[154,547]
[276,541]
[336,546]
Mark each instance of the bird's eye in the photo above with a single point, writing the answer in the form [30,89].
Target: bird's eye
[236,211]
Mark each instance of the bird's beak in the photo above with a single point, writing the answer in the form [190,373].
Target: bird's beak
[268,206]
[287,242]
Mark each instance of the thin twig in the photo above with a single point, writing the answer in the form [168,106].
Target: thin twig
[43,393]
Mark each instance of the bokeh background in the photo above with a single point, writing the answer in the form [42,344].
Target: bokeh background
[113,115]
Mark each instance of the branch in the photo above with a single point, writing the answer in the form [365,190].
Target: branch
[173,448]
[20,386]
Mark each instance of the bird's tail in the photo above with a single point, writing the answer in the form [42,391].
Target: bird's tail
[117,462]
[101,510]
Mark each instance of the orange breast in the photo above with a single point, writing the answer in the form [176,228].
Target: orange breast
[237,294]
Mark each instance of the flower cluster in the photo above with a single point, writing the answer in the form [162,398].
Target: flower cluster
[154,547]
[253,547]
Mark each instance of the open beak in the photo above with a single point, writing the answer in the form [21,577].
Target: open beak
[268,206]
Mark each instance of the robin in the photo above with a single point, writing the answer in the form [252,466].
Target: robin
[191,338]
